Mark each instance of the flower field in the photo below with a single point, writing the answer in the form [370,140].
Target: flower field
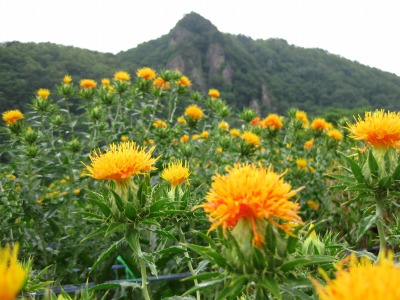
[145,173]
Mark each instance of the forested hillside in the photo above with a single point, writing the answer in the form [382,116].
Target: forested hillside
[270,75]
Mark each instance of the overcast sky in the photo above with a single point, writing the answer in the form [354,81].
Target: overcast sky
[362,30]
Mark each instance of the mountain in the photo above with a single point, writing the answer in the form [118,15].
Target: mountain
[270,75]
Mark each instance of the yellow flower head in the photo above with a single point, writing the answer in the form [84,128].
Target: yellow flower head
[301,163]
[335,134]
[146,73]
[205,134]
[220,150]
[362,280]
[223,125]
[253,193]
[251,138]
[67,79]
[319,124]
[105,82]
[272,121]
[12,116]
[160,124]
[213,93]
[122,75]
[381,129]
[181,120]
[184,81]
[234,132]
[124,138]
[77,191]
[313,205]
[195,136]
[43,93]
[160,83]
[12,274]
[120,162]
[176,172]
[308,144]
[194,112]
[302,117]
[184,138]
[88,83]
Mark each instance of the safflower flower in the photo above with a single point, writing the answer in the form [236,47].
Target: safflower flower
[146,73]
[160,124]
[223,125]
[184,81]
[43,93]
[67,79]
[272,121]
[251,138]
[302,117]
[213,93]
[105,82]
[88,83]
[234,132]
[319,124]
[12,274]
[12,116]
[335,134]
[194,112]
[254,194]
[380,129]
[122,76]
[361,279]
[120,162]
[176,172]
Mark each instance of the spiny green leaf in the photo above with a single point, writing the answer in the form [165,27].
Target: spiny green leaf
[105,254]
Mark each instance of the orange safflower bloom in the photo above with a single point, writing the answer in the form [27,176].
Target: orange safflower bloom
[88,83]
[160,83]
[176,173]
[308,144]
[184,138]
[251,138]
[146,73]
[335,134]
[12,116]
[122,75]
[380,129]
[319,124]
[272,121]
[234,132]
[256,121]
[205,134]
[160,124]
[255,194]
[120,162]
[361,279]
[213,93]
[194,112]
[184,81]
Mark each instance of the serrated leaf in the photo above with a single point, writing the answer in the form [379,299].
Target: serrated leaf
[172,250]
[105,254]
[203,285]
[209,254]
[104,286]
[91,216]
[203,276]
[385,182]
[102,230]
[209,240]
[396,173]
[355,168]
[296,293]
[115,227]
[166,234]
[98,200]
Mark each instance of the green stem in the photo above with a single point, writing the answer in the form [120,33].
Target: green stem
[183,241]
[144,279]
[379,225]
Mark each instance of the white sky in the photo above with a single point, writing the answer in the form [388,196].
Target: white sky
[367,31]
